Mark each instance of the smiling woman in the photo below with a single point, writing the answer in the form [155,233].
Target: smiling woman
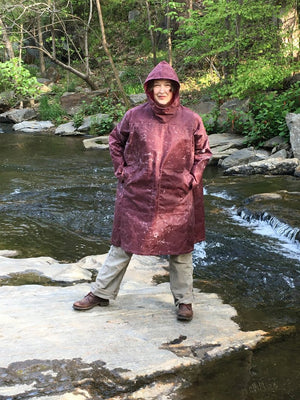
[162,91]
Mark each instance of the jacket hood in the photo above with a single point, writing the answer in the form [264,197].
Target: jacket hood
[163,70]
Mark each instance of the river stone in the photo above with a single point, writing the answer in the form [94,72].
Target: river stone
[33,126]
[273,142]
[226,140]
[67,129]
[90,120]
[243,156]
[223,145]
[49,348]
[18,115]
[293,123]
[271,166]
[99,142]
[279,154]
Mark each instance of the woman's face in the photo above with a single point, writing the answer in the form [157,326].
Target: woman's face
[162,91]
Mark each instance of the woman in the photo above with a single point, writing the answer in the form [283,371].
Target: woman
[159,151]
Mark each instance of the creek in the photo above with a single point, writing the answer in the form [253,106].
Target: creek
[57,200]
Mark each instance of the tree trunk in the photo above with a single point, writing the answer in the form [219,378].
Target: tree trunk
[169,36]
[40,37]
[86,42]
[106,49]
[290,30]
[190,8]
[8,45]
[53,32]
[152,33]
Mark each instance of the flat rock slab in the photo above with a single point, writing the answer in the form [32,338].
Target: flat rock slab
[136,338]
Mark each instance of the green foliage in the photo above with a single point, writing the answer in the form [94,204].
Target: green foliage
[50,109]
[266,116]
[132,81]
[17,78]
[101,127]
[100,105]
[229,32]
[258,75]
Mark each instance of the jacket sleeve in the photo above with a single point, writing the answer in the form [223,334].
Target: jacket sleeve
[202,152]
[117,142]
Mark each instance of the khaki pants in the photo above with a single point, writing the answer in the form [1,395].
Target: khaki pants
[111,273]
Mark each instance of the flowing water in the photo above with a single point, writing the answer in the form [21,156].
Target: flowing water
[57,199]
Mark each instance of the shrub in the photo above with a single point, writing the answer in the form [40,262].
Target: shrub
[13,76]
[99,105]
[50,110]
[258,75]
[266,117]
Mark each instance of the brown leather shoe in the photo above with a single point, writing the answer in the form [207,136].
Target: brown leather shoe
[185,312]
[89,301]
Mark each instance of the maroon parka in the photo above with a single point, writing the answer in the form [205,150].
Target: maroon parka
[159,155]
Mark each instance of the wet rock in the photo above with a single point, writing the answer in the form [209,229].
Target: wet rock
[274,142]
[224,144]
[279,154]
[135,347]
[243,156]
[33,126]
[67,129]
[91,120]
[278,209]
[99,142]
[293,123]
[18,115]
[271,166]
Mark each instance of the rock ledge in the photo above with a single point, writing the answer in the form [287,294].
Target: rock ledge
[47,348]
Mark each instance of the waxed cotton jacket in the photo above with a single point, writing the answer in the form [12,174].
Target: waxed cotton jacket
[159,155]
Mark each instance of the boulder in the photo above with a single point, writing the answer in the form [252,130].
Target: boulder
[279,154]
[18,115]
[223,145]
[33,126]
[91,120]
[226,139]
[71,102]
[271,166]
[134,348]
[234,106]
[293,123]
[67,129]
[243,156]
[99,142]
[6,99]
[274,142]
